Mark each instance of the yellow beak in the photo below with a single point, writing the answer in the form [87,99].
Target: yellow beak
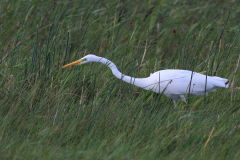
[73,63]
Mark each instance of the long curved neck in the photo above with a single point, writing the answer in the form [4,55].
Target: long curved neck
[140,82]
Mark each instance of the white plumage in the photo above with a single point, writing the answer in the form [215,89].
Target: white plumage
[174,83]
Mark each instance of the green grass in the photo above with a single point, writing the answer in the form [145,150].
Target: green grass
[84,112]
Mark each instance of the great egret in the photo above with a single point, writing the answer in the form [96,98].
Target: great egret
[174,83]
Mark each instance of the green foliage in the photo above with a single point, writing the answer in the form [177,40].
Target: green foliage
[84,112]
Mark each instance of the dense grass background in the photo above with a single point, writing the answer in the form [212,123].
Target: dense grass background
[84,112]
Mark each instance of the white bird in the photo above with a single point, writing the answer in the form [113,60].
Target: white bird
[174,83]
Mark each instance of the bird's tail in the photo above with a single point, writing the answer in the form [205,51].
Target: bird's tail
[221,82]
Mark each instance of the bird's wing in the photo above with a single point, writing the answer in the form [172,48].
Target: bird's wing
[180,82]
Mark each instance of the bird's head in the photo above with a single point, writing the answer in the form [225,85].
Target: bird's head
[87,59]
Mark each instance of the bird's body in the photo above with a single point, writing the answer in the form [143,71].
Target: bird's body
[174,83]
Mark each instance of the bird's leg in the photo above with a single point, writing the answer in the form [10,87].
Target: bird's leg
[184,100]
[174,102]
